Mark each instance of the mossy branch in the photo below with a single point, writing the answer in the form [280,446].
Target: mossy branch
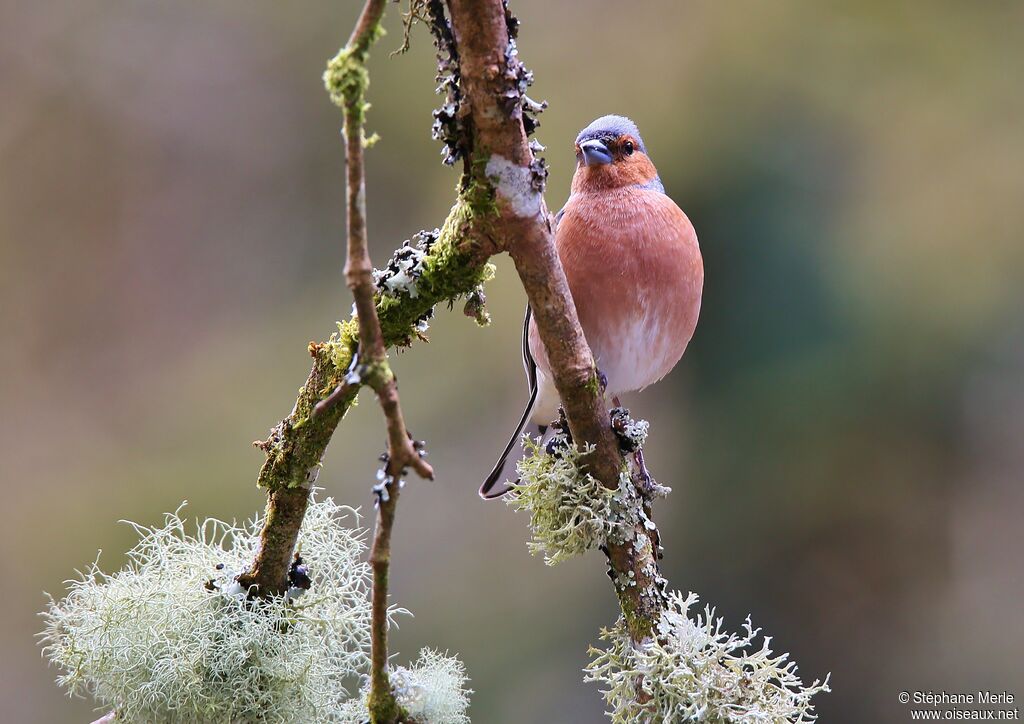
[454,266]
[356,356]
[493,81]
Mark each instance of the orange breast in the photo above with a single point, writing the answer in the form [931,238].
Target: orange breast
[634,267]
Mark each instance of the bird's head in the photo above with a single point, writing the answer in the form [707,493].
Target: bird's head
[611,154]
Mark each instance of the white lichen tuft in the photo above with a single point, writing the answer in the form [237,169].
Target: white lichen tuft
[353,711]
[432,691]
[515,184]
[632,433]
[571,512]
[400,276]
[405,267]
[696,671]
[171,637]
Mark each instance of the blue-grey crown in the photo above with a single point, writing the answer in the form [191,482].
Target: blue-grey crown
[609,128]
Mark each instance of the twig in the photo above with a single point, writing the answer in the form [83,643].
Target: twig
[373,369]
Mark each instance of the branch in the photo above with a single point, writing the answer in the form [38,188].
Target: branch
[373,369]
[491,76]
[453,267]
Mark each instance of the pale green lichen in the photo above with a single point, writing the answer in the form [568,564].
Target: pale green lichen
[154,642]
[693,670]
[571,512]
[431,691]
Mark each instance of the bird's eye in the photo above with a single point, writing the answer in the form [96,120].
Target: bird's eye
[627,148]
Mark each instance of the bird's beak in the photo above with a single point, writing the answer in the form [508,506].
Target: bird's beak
[595,153]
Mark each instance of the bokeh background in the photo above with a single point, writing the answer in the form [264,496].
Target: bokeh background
[845,436]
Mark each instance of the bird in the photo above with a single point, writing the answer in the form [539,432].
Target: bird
[634,269]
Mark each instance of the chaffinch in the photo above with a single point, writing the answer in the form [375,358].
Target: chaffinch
[634,269]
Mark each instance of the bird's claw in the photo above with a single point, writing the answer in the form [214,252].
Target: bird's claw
[649,488]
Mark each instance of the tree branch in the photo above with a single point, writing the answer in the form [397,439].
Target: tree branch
[490,75]
[455,265]
[373,369]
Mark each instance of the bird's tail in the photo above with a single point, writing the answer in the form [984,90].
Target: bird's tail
[531,376]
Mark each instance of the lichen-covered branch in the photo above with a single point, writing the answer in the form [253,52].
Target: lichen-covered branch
[453,265]
[493,82]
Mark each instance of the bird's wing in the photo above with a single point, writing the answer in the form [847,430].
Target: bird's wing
[530,365]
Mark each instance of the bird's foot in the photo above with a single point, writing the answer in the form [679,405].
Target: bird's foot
[562,439]
[649,488]
[645,475]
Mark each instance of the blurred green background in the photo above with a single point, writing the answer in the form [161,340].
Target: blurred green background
[845,436]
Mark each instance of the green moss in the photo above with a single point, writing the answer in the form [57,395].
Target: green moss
[347,79]
[385,709]
[450,271]
[337,352]
[478,191]
[638,622]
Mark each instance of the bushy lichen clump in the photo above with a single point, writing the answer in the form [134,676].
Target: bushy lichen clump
[172,638]
[696,671]
[571,512]
[433,691]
